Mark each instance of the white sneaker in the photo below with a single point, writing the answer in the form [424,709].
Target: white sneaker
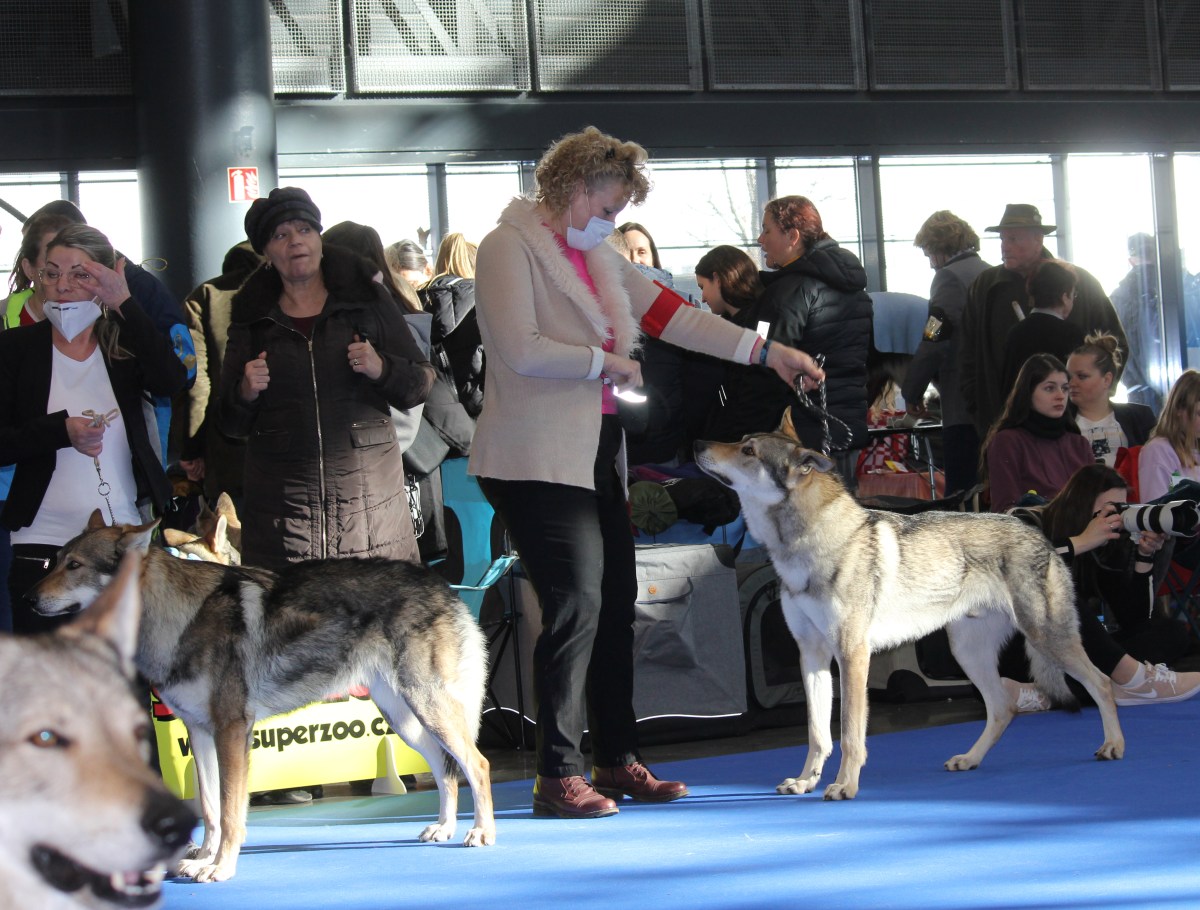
[1025,698]
[1161,685]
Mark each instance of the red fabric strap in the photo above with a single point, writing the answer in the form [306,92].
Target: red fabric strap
[661,311]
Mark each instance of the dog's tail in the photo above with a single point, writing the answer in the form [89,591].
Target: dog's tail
[1051,680]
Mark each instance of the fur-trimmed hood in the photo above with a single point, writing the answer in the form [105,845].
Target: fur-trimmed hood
[348,277]
[611,311]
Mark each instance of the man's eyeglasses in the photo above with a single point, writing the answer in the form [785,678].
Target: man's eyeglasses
[76,277]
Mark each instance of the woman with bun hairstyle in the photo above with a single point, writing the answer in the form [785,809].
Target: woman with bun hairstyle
[1092,369]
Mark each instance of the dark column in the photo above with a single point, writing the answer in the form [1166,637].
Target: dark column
[203,89]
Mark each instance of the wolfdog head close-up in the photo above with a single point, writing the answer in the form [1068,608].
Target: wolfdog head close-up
[84,820]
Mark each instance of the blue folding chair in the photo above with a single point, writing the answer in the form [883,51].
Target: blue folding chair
[462,496]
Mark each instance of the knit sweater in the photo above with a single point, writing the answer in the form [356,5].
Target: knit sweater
[1019,462]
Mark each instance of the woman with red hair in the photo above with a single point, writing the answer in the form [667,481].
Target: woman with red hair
[816,297]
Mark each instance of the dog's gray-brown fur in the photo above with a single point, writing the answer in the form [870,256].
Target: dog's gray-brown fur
[84,821]
[854,581]
[229,646]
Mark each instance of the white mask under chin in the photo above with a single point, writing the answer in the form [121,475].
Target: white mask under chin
[71,317]
[594,234]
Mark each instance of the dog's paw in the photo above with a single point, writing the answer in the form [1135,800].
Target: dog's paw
[480,837]
[840,791]
[206,870]
[1111,752]
[797,785]
[437,833]
[197,852]
[961,763]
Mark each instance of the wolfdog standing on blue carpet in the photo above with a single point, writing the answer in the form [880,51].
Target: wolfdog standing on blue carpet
[854,581]
[229,646]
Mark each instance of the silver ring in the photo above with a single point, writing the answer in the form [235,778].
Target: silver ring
[355,361]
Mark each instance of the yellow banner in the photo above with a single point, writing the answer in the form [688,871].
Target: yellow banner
[324,743]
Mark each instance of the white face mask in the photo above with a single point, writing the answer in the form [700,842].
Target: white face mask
[592,236]
[71,317]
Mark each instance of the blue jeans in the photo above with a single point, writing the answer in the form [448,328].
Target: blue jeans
[577,548]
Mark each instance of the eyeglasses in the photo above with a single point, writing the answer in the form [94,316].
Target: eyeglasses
[76,278]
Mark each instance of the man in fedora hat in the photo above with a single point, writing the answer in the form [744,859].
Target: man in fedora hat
[998,300]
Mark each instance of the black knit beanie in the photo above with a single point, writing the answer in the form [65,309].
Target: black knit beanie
[285,203]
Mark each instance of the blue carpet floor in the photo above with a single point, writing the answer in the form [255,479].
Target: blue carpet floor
[1040,824]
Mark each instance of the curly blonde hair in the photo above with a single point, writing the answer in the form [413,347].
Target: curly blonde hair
[594,158]
[945,233]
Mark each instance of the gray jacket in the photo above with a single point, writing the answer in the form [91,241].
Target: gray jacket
[937,361]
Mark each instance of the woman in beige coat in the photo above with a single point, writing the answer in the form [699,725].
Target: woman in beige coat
[560,313]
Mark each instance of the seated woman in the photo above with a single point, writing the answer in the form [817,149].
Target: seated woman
[1173,451]
[71,418]
[728,280]
[1114,577]
[1092,369]
[1034,446]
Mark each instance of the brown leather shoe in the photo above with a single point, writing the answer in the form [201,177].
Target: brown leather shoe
[636,782]
[569,797]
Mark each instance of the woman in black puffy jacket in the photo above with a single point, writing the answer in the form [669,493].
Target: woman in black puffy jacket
[815,298]
[450,297]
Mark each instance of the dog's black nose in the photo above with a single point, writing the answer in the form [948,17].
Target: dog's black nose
[168,819]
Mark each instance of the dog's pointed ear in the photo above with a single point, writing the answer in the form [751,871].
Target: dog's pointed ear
[173,537]
[138,537]
[226,508]
[206,513]
[806,460]
[96,521]
[214,539]
[116,614]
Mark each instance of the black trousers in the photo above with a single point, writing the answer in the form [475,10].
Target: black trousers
[960,451]
[577,548]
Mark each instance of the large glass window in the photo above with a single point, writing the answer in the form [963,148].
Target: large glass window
[1117,246]
[477,194]
[1187,188]
[26,193]
[394,201]
[109,201]
[694,206]
[831,185]
[975,188]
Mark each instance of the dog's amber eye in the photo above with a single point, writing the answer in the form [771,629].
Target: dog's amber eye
[74,564]
[47,739]
[748,449]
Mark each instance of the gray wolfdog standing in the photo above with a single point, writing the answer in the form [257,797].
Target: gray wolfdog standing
[855,581]
[228,646]
[84,820]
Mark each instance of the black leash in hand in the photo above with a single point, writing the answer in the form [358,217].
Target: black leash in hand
[819,410]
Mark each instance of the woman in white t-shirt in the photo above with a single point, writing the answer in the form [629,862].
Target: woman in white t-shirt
[1092,370]
[71,416]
